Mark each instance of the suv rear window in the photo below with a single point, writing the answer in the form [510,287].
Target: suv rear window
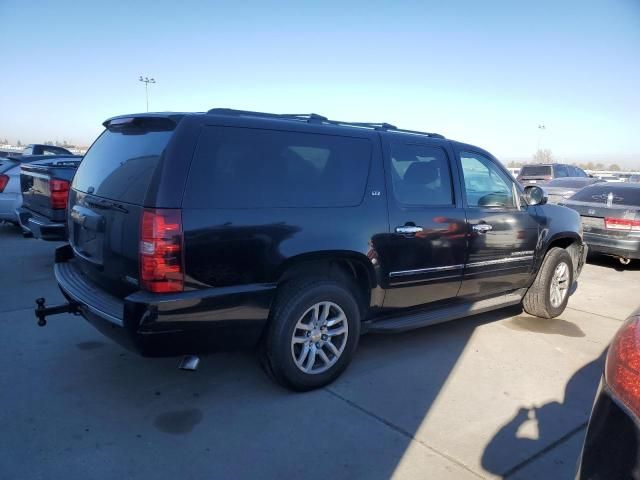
[622,195]
[120,164]
[254,168]
[536,171]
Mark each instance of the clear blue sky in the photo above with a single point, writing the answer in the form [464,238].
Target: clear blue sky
[479,71]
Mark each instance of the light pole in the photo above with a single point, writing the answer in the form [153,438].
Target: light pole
[541,128]
[146,81]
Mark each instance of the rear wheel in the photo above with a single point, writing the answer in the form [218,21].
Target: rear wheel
[549,294]
[313,332]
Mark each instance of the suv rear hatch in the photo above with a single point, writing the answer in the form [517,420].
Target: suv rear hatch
[532,174]
[108,196]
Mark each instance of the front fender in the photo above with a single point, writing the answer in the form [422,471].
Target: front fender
[559,226]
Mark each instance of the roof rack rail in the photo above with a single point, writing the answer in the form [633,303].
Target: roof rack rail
[315,118]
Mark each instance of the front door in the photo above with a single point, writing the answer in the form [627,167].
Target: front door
[502,232]
[422,257]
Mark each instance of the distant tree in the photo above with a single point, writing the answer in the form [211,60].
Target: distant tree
[599,166]
[514,164]
[19,143]
[587,166]
[543,156]
[614,167]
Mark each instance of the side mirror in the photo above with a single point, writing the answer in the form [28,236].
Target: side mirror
[535,195]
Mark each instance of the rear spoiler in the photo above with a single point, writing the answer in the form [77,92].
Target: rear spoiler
[143,119]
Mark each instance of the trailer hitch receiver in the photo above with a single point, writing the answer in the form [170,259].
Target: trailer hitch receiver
[42,311]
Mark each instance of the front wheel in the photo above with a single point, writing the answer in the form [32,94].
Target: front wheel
[313,333]
[549,294]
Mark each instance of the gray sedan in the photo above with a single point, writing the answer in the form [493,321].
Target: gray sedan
[560,189]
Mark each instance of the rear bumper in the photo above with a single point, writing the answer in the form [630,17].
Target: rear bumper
[609,245]
[39,226]
[208,320]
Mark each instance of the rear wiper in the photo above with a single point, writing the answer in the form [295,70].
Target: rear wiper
[107,204]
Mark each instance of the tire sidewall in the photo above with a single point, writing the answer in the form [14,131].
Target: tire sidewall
[559,256]
[284,326]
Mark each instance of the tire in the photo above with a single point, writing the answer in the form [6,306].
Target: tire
[294,309]
[539,300]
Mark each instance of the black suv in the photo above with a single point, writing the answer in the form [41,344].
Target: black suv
[540,173]
[204,231]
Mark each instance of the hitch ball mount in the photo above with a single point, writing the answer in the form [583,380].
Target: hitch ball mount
[42,311]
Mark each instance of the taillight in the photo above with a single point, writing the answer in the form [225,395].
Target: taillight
[59,190]
[4,179]
[622,372]
[161,264]
[622,224]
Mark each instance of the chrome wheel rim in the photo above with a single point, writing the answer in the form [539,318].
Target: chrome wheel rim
[319,338]
[559,284]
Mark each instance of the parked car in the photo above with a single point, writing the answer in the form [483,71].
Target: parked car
[541,173]
[634,179]
[10,191]
[296,233]
[611,218]
[611,445]
[560,189]
[44,186]
[609,177]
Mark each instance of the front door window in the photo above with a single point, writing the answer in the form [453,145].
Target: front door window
[485,184]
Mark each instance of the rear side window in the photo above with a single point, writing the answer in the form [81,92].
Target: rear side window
[536,171]
[562,171]
[603,193]
[420,175]
[253,168]
[120,164]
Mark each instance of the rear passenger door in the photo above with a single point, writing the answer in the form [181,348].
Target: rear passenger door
[503,232]
[423,254]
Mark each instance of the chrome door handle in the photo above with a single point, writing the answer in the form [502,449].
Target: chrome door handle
[482,228]
[408,230]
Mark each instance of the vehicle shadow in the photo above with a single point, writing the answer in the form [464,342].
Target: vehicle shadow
[541,428]
[612,262]
[9,230]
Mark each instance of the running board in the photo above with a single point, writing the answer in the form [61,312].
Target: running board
[444,314]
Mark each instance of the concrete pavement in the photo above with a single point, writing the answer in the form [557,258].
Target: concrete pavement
[499,394]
